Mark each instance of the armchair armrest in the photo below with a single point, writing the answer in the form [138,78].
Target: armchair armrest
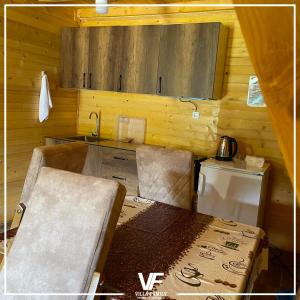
[18,215]
[9,233]
[15,223]
[93,286]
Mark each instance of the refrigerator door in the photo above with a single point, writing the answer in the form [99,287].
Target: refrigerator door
[230,195]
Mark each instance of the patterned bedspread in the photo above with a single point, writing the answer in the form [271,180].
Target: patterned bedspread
[192,253]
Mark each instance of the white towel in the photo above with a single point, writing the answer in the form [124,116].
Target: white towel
[45,99]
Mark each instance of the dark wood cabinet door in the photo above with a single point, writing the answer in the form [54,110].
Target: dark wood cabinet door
[187,60]
[74,57]
[67,53]
[105,54]
[81,58]
[140,59]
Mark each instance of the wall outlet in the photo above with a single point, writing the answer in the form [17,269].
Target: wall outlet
[196,115]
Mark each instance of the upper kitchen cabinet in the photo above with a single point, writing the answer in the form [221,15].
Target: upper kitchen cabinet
[172,60]
[75,58]
[140,59]
[191,60]
[105,58]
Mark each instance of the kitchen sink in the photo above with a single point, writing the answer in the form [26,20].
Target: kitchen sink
[86,138]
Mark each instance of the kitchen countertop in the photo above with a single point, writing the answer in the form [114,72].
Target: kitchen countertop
[103,143]
[114,144]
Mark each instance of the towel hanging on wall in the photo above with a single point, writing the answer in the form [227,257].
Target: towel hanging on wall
[45,99]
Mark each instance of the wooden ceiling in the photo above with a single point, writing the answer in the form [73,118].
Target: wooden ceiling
[48,2]
[146,1]
[118,1]
[200,1]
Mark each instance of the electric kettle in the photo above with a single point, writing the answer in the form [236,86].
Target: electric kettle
[227,148]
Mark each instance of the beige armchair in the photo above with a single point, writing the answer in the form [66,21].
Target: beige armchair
[65,234]
[70,157]
[165,175]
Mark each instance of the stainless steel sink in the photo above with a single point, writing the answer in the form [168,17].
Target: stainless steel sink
[86,138]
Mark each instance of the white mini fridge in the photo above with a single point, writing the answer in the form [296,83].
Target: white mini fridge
[232,191]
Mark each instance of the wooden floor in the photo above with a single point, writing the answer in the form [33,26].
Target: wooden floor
[279,277]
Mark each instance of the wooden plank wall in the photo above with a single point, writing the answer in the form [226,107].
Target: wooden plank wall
[169,121]
[33,45]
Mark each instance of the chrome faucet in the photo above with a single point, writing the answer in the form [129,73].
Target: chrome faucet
[95,133]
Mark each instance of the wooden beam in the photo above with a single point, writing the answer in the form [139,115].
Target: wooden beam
[131,11]
[270,44]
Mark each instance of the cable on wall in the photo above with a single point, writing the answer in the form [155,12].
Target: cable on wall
[188,101]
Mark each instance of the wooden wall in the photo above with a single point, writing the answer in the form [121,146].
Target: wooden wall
[33,45]
[169,121]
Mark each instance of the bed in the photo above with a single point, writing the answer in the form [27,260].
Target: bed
[189,252]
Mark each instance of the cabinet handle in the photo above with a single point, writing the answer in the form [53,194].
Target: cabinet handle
[159,88]
[84,80]
[120,83]
[90,86]
[120,178]
[120,158]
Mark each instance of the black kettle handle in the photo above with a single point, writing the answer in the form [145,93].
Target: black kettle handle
[235,147]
